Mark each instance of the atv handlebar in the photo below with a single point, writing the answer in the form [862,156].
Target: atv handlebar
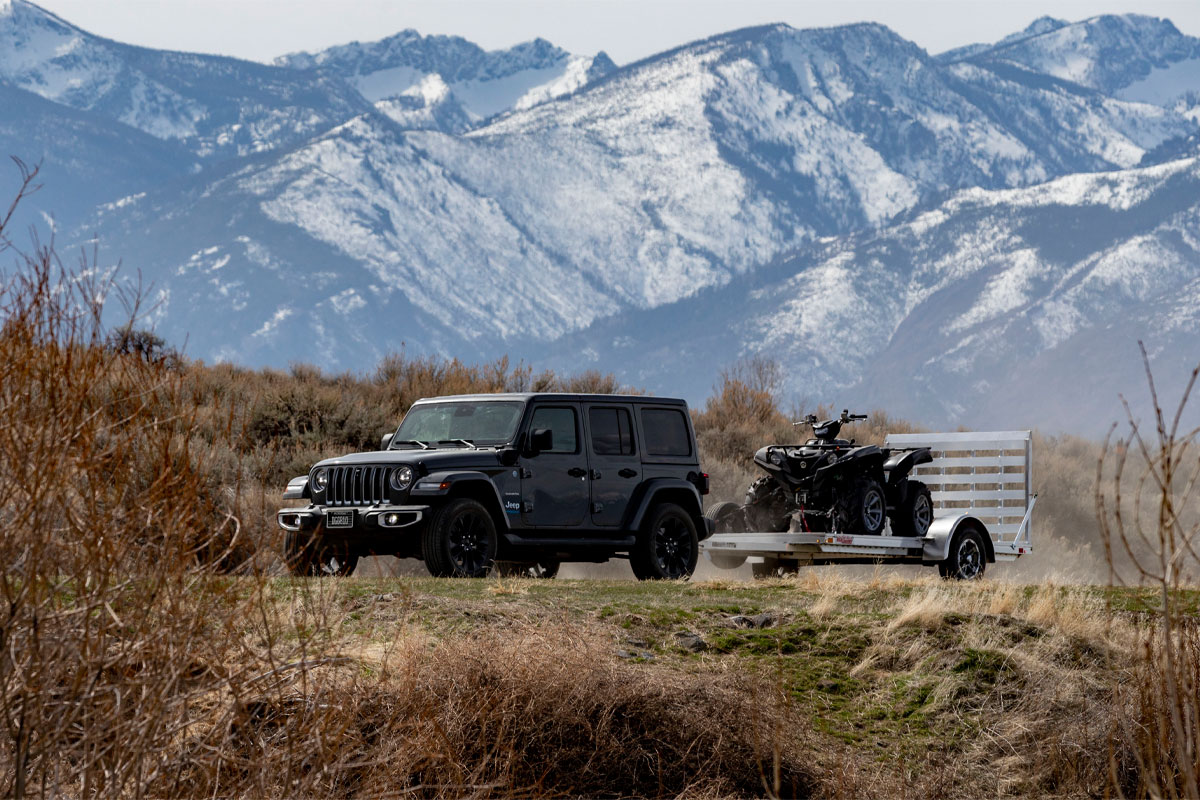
[846,417]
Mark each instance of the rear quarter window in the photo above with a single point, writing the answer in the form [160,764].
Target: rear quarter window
[666,432]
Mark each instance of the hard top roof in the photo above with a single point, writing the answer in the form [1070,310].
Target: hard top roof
[561,396]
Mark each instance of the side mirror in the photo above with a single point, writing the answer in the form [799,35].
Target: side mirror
[541,440]
[385,441]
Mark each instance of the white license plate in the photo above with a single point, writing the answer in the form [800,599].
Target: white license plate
[339,519]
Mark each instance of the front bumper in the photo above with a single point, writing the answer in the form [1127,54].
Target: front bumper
[372,518]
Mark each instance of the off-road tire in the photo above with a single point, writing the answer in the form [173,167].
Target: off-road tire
[915,513]
[527,569]
[310,555]
[774,568]
[967,560]
[727,517]
[667,547]
[862,511]
[767,507]
[460,541]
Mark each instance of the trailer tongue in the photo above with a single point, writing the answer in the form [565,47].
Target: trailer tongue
[981,485]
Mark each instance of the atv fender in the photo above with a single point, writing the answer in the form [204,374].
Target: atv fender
[459,482]
[941,534]
[865,460]
[672,490]
[900,464]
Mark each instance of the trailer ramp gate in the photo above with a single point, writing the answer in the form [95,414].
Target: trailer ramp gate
[982,476]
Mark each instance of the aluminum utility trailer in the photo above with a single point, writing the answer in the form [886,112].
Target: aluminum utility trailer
[980,482]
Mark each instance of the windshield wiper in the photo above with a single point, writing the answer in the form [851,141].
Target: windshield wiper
[467,442]
[422,445]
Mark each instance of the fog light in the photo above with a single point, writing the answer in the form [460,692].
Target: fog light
[391,519]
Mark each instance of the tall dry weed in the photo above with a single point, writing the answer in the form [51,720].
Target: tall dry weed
[1148,505]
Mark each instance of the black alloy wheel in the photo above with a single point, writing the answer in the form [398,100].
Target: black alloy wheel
[668,546]
[968,556]
[461,541]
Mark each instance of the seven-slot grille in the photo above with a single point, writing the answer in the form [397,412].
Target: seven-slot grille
[357,486]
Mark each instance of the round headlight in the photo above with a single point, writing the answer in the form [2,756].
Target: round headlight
[776,457]
[320,479]
[401,478]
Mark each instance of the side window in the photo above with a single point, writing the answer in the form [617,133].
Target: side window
[612,431]
[666,432]
[562,422]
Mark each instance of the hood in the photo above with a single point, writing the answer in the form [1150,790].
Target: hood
[430,460]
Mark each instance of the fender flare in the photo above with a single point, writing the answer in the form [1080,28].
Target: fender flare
[297,489]
[655,488]
[941,533]
[459,479]
[898,465]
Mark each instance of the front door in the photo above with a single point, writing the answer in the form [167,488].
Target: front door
[616,466]
[554,483]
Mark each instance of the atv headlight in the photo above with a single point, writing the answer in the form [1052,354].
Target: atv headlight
[320,480]
[776,458]
[401,478]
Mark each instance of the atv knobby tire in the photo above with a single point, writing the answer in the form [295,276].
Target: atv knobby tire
[915,512]
[862,511]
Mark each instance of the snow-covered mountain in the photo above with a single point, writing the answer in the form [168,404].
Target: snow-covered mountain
[1004,307]
[668,177]
[217,107]
[1133,57]
[962,221]
[447,83]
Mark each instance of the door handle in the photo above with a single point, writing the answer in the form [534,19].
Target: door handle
[628,473]
[595,474]
[577,472]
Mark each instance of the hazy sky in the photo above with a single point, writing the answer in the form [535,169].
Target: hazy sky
[626,29]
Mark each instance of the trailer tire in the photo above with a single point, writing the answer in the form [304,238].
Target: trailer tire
[967,560]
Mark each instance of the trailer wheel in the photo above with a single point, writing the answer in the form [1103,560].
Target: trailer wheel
[968,556]
[915,514]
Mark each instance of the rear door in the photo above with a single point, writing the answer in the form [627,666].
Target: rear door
[616,467]
[554,483]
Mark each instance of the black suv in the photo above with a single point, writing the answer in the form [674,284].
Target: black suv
[515,482]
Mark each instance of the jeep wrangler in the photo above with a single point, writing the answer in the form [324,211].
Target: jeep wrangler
[516,483]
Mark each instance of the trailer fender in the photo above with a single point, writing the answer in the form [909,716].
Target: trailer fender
[941,534]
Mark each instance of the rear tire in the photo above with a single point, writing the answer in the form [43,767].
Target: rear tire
[915,514]
[667,547]
[967,560]
[460,541]
[863,511]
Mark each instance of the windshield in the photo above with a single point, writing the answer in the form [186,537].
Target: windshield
[483,422]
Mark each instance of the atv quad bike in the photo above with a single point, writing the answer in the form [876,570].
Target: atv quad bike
[828,484]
